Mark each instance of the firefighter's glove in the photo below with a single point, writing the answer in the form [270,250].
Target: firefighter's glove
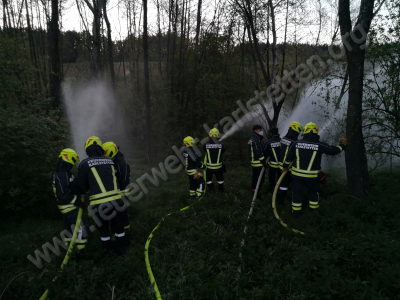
[343,139]
[322,178]
[197,175]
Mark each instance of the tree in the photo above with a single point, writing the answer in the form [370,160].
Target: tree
[55,73]
[356,159]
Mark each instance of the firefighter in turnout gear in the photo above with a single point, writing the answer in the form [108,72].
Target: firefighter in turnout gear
[196,180]
[123,173]
[257,159]
[272,150]
[214,150]
[306,157]
[97,173]
[66,190]
[295,129]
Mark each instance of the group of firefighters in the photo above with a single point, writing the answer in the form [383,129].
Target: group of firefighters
[106,175]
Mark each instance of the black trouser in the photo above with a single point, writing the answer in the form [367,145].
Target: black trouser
[196,186]
[273,175]
[298,186]
[219,174]
[283,188]
[254,179]
[110,217]
[69,223]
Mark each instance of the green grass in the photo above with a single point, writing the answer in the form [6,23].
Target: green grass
[351,249]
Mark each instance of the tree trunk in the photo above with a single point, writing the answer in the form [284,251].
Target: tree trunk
[150,153]
[110,47]
[55,74]
[196,58]
[356,159]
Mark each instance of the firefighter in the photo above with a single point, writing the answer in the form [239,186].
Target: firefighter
[97,173]
[123,173]
[193,162]
[257,159]
[272,150]
[295,129]
[306,157]
[66,190]
[214,150]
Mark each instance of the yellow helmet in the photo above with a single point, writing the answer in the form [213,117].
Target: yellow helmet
[70,156]
[214,133]
[93,140]
[296,126]
[310,127]
[110,149]
[188,141]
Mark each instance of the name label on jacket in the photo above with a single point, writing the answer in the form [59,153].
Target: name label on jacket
[100,161]
[307,146]
[211,146]
[286,142]
[275,145]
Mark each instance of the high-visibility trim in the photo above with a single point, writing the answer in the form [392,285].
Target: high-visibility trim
[80,247]
[276,158]
[341,149]
[314,206]
[296,204]
[296,208]
[283,188]
[209,182]
[304,175]
[64,211]
[191,172]
[256,165]
[314,203]
[284,157]
[306,171]
[192,193]
[115,178]
[105,239]
[98,179]
[127,226]
[101,195]
[219,155]
[80,241]
[105,200]
[120,234]
[312,160]
[67,239]
[297,159]
[220,182]
[273,165]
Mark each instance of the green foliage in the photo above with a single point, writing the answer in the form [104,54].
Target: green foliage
[32,137]
[350,250]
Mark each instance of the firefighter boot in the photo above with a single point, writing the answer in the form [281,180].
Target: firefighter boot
[280,197]
[221,188]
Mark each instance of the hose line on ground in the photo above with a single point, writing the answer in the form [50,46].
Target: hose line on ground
[274,203]
[71,246]
[251,210]
[147,245]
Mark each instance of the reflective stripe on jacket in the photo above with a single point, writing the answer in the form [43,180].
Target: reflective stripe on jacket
[192,161]
[306,156]
[65,190]
[272,150]
[97,174]
[213,154]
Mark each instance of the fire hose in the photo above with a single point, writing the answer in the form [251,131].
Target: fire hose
[274,203]
[71,246]
[147,245]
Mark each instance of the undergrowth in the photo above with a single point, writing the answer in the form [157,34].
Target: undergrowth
[351,249]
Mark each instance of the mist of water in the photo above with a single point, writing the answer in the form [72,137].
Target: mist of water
[93,110]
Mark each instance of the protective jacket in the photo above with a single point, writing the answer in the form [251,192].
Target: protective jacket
[192,161]
[272,150]
[286,142]
[65,187]
[123,170]
[306,156]
[213,154]
[98,174]
[255,149]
